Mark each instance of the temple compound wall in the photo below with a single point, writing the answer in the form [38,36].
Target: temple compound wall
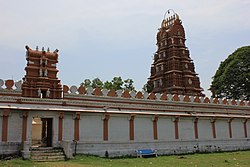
[101,122]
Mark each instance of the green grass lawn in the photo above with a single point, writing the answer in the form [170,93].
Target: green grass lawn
[241,158]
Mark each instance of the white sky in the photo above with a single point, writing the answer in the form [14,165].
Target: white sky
[117,37]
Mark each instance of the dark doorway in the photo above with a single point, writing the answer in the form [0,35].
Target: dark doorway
[43,94]
[46,132]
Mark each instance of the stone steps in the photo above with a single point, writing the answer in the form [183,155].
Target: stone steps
[43,154]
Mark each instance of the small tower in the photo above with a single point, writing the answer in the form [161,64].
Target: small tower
[173,70]
[41,79]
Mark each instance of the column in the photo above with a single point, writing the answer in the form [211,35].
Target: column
[77,117]
[6,113]
[105,126]
[24,115]
[176,127]
[60,126]
[155,128]
[213,127]
[131,127]
[196,135]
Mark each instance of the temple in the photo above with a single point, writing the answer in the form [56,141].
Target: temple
[41,75]
[173,70]
[38,115]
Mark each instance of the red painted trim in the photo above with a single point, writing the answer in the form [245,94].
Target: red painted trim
[76,127]
[196,135]
[230,128]
[155,128]
[176,127]
[24,126]
[76,130]
[6,113]
[105,130]
[131,127]
[245,128]
[213,129]
[131,130]
[105,127]
[5,128]
[60,126]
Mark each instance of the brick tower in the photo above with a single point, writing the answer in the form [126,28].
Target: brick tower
[173,70]
[41,79]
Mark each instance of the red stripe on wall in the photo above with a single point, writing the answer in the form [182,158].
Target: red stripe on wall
[6,113]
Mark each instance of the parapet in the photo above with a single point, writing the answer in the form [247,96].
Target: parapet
[11,88]
[74,91]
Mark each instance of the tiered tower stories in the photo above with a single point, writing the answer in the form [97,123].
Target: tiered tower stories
[173,70]
[41,79]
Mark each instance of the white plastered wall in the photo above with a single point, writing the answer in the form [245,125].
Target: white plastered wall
[143,128]
[68,127]
[118,128]
[166,130]
[222,130]
[14,127]
[91,127]
[205,129]
[237,128]
[186,129]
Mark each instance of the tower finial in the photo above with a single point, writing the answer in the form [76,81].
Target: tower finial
[168,12]
[169,20]
[27,47]
[56,51]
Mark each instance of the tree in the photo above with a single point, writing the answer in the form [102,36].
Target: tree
[128,84]
[86,83]
[116,84]
[97,83]
[107,85]
[147,88]
[232,79]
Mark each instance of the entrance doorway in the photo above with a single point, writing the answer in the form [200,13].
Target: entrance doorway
[42,132]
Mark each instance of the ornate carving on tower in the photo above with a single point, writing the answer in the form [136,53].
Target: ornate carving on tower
[41,79]
[172,70]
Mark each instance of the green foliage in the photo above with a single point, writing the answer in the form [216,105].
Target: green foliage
[232,79]
[97,83]
[86,83]
[147,88]
[116,84]
[128,84]
[107,85]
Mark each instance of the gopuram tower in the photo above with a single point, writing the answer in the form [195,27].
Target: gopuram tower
[172,70]
[41,79]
